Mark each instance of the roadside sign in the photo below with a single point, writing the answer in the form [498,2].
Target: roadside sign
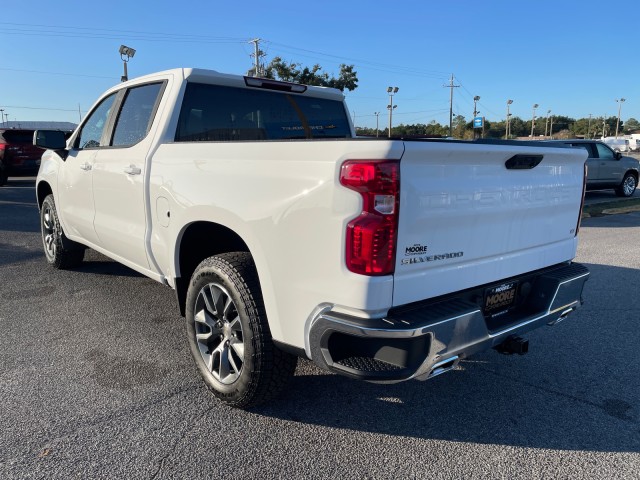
[478,122]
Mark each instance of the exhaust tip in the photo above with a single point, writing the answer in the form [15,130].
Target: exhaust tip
[443,366]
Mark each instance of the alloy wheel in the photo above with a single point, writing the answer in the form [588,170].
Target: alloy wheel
[219,333]
[49,231]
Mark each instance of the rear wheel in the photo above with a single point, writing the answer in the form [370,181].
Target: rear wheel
[61,252]
[3,175]
[628,186]
[229,335]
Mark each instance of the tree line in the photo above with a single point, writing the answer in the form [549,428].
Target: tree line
[558,126]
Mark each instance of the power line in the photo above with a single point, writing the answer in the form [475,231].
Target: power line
[373,65]
[55,73]
[91,31]
[40,108]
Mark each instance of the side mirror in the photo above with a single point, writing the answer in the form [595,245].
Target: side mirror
[618,155]
[50,139]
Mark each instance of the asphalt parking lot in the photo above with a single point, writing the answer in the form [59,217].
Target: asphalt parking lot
[96,382]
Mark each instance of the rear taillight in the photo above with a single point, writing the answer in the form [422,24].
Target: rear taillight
[371,237]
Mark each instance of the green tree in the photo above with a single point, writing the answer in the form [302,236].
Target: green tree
[295,72]
[560,123]
[458,126]
[631,125]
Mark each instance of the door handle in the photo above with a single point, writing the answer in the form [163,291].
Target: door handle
[132,170]
[85,166]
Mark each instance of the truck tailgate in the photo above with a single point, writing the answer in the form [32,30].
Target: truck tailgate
[468,220]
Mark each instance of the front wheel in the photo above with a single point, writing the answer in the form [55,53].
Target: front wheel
[61,252]
[229,335]
[628,186]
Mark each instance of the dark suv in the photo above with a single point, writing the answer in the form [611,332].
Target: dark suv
[606,168]
[18,156]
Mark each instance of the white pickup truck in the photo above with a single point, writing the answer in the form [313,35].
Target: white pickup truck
[285,236]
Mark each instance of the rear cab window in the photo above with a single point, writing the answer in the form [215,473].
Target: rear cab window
[221,113]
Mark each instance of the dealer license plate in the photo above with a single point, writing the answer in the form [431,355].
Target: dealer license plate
[500,298]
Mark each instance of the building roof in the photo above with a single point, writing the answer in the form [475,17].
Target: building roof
[34,125]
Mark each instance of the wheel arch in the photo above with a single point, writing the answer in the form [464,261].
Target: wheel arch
[191,250]
[42,190]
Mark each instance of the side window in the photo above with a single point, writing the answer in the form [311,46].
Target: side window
[604,152]
[94,126]
[136,115]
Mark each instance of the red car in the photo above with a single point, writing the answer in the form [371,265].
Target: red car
[18,156]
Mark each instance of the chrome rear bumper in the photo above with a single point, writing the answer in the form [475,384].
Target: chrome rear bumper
[429,338]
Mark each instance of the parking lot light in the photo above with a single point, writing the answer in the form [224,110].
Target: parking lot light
[127,52]
[620,102]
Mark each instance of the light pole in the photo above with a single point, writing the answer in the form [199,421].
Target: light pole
[551,127]
[391,91]
[533,119]
[2,116]
[508,129]
[546,123]
[620,102]
[127,52]
[589,127]
[377,114]
[475,113]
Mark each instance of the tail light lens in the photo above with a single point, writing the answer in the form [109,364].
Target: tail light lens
[371,237]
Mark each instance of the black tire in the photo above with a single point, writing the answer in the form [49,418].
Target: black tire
[61,253]
[228,333]
[3,175]
[628,185]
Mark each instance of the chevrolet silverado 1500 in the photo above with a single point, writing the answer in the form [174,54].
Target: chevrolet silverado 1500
[285,236]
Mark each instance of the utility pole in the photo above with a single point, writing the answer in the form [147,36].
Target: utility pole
[551,127]
[377,114]
[79,113]
[589,127]
[451,86]
[507,129]
[257,55]
[391,91]
[533,119]
[2,116]
[620,102]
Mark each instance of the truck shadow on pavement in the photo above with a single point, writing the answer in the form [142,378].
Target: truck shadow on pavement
[577,389]
[97,264]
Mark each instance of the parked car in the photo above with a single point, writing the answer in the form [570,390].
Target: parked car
[18,155]
[607,168]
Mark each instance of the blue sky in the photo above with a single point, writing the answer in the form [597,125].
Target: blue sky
[573,58]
